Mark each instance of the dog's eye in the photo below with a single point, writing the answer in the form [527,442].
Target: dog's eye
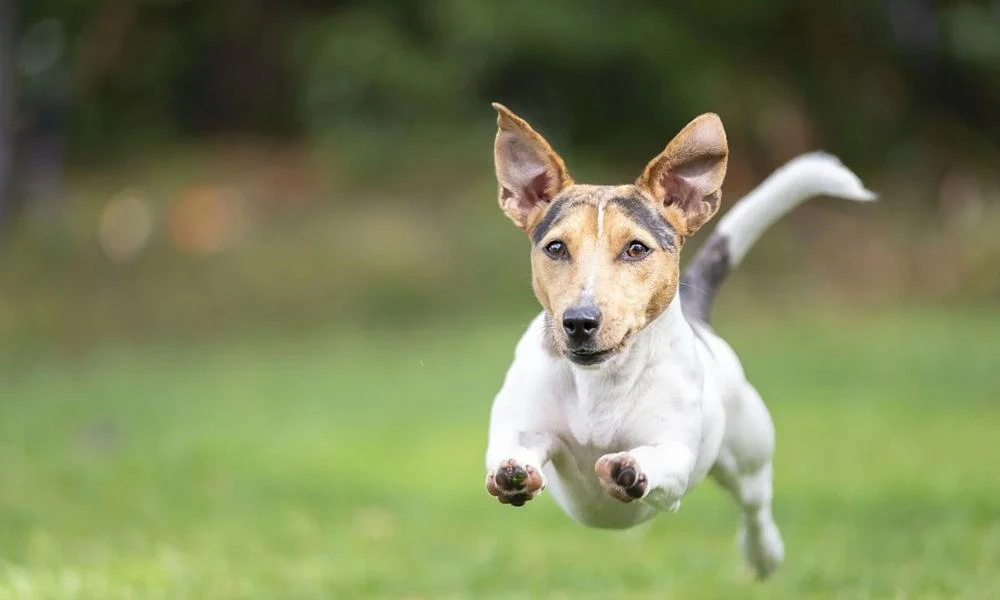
[636,250]
[556,250]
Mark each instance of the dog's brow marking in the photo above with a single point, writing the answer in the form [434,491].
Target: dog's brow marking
[600,218]
[645,217]
[552,218]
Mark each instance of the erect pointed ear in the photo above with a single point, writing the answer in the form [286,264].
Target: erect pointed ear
[530,173]
[685,179]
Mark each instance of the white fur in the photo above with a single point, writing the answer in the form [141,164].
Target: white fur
[588,289]
[800,179]
[675,399]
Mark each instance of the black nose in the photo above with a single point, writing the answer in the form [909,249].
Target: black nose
[581,323]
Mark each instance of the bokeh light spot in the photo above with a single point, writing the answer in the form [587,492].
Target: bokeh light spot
[125,226]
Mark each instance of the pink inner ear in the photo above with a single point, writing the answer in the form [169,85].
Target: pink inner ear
[534,192]
[690,182]
[538,188]
[698,171]
[678,191]
[529,174]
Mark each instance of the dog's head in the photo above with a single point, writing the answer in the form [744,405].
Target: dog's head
[605,260]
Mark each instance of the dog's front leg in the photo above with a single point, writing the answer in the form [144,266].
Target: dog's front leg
[525,413]
[657,475]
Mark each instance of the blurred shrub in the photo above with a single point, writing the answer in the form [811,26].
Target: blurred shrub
[856,78]
[372,202]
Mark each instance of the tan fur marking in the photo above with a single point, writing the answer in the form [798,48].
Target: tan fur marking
[629,294]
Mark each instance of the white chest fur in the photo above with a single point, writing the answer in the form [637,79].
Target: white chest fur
[655,395]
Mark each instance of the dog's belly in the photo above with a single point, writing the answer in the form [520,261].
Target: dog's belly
[575,488]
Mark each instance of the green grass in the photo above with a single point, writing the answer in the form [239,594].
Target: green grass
[350,466]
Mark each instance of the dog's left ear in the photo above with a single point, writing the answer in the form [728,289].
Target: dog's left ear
[686,178]
[529,171]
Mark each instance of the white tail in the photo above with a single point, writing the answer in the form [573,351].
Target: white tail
[815,174]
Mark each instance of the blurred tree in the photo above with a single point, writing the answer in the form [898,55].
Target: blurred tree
[7,93]
[44,104]
[861,79]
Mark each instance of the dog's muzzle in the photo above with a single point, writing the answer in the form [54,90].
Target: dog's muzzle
[581,324]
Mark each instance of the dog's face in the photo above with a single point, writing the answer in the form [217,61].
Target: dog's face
[604,264]
[606,259]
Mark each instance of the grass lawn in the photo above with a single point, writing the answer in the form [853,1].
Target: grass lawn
[350,466]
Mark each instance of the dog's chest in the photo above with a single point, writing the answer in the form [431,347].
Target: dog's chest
[608,414]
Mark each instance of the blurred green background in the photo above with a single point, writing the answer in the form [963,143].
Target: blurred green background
[256,294]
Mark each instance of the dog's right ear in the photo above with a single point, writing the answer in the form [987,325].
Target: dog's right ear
[529,172]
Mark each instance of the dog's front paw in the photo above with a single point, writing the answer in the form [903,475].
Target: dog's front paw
[513,483]
[621,477]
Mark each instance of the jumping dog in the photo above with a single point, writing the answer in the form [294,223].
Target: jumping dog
[621,397]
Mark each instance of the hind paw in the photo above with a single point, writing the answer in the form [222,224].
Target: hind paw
[762,548]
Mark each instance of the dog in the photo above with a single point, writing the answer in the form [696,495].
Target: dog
[621,397]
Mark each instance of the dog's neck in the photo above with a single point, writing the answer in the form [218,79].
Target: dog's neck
[668,339]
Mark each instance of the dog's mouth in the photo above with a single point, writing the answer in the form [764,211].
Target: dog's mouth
[587,357]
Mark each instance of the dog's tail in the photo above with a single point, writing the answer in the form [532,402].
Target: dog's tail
[809,175]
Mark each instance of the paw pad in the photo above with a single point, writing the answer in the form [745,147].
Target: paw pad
[620,477]
[514,484]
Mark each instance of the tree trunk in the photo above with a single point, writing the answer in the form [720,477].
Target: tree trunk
[7,104]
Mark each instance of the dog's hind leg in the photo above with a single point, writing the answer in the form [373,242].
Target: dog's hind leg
[744,468]
[759,538]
